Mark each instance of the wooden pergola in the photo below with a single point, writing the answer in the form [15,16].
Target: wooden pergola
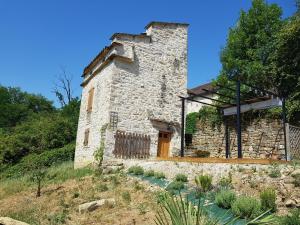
[263,99]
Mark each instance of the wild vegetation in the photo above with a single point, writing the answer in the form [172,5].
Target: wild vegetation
[262,49]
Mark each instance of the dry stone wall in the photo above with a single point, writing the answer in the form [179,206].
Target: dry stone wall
[261,138]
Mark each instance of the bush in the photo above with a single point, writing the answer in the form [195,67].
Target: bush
[126,196]
[159,175]
[175,186]
[225,198]
[246,207]
[102,187]
[136,170]
[297,180]
[204,182]
[268,198]
[191,120]
[45,159]
[274,171]
[292,219]
[181,177]
[226,182]
[202,154]
[149,173]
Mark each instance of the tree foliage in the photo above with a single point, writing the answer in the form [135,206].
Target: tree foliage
[264,50]
[31,124]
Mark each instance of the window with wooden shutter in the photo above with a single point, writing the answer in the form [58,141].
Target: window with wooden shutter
[86,137]
[90,100]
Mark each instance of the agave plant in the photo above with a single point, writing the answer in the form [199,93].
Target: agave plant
[176,210]
[179,211]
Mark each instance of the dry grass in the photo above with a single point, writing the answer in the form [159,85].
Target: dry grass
[59,201]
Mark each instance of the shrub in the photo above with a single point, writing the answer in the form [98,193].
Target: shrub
[225,198]
[204,182]
[181,177]
[45,159]
[268,198]
[226,182]
[297,180]
[274,171]
[102,187]
[159,175]
[202,154]
[175,186]
[126,196]
[149,173]
[292,219]
[136,170]
[180,210]
[246,207]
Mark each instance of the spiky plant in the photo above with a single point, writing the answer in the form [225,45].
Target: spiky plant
[180,211]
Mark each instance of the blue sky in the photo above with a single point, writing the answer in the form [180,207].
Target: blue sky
[37,38]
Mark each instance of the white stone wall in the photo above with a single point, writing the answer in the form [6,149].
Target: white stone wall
[94,120]
[149,87]
[143,90]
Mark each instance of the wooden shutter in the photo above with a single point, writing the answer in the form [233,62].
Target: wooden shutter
[90,100]
[86,137]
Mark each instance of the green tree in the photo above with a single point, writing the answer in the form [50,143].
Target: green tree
[250,43]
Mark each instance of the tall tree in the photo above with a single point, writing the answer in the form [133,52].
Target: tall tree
[250,44]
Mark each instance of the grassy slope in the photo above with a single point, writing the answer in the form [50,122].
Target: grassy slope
[66,188]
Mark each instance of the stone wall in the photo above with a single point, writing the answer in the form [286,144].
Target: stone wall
[261,138]
[142,85]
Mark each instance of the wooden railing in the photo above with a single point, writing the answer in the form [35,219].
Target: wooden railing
[131,145]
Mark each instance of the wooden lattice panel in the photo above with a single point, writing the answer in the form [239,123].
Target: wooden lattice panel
[295,142]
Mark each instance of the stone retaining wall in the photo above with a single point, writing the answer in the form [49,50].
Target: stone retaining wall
[261,138]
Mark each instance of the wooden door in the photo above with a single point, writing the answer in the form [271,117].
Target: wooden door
[163,144]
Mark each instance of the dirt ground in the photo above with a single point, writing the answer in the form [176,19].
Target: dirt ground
[59,203]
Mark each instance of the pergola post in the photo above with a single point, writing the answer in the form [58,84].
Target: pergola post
[238,118]
[287,157]
[182,126]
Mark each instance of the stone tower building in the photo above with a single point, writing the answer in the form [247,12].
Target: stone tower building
[133,85]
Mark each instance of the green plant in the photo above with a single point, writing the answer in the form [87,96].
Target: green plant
[98,154]
[268,199]
[181,177]
[126,196]
[102,187]
[45,159]
[142,208]
[149,173]
[202,154]
[58,218]
[246,207]
[136,170]
[114,180]
[225,198]
[297,180]
[138,186]
[75,194]
[292,219]
[175,186]
[204,182]
[179,211]
[38,176]
[274,171]
[226,182]
[159,175]
[191,120]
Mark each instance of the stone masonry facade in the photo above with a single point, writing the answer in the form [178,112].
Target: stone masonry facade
[138,79]
[261,138]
